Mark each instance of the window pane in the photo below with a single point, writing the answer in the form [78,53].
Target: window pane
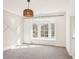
[46,35]
[35,30]
[44,30]
[52,30]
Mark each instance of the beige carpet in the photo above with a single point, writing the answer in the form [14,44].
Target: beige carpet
[43,52]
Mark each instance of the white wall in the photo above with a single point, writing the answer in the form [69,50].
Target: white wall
[12,29]
[70,30]
[70,34]
[60,30]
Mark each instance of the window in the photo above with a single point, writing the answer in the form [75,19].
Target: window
[44,30]
[52,30]
[35,30]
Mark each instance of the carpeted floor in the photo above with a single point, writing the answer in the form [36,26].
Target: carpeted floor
[43,52]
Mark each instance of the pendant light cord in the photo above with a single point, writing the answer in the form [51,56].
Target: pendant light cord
[28,3]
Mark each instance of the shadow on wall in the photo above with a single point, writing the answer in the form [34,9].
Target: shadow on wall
[12,29]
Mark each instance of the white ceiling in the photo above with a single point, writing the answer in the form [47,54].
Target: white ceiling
[38,6]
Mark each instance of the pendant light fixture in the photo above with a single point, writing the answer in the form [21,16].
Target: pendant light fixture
[28,12]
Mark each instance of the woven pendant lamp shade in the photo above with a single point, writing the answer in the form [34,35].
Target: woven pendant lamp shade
[28,13]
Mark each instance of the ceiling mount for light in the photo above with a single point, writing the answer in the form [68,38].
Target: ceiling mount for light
[28,12]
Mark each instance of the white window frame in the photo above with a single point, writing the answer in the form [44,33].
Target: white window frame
[39,23]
